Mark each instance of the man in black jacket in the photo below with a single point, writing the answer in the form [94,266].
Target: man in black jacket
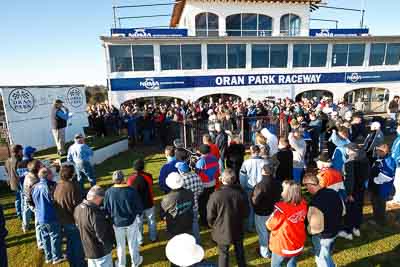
[235,155]
[263,199]
[222,143]
[285,158]
[95,228]
[226,211]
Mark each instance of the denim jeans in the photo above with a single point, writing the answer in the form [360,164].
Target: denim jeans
[18,201]
[75,254]
[277,261]
[263,235]
[130,233]
[250,218]
[27,213]
[322,249]
[39,239]
[50,233]
[196,227]
[149,215]
[105,261]
[85,170]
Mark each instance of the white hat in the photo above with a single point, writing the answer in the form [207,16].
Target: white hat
[174,180]
[182,250]
[375,125]
[210,111]
[265,132]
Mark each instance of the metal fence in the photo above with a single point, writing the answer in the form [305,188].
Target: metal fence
[244,128]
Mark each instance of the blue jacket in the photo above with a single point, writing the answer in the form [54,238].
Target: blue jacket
[165,170]
[339,158]
[123,203]
[43,201]
[396,150]
[79,152]
[385,167]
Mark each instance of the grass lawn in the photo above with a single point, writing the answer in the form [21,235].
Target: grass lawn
[377,246]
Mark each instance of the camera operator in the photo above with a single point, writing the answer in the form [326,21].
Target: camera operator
[59,118]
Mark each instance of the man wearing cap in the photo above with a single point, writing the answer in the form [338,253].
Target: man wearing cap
[95,229]
[180,156]
[324,217]
[59,118]
[177,207]
[207,167]
[192,182]
[143,183]
[80,154]
[124,205]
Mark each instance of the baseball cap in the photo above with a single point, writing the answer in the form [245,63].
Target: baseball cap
[28,151]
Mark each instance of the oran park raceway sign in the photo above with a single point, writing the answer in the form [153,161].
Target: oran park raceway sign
[181,82]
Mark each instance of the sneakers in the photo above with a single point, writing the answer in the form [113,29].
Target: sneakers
[356,232]
[345,235]
[62,259]
[139,262]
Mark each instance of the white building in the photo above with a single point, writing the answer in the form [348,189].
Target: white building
[252,49]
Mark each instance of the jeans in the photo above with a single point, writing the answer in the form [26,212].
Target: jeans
[50,233]
[149,214]
[27,213]
[250,219]
[105,261]
[18,201]
[277,261]
[39,239]
[322,249]
[203,200]
[223,254]
[396,196]
[129,233]
[263,235]
[221,163]
[75,254]
[84,169]
[354,212]
[196,227]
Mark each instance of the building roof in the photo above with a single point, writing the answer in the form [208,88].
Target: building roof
[180,4]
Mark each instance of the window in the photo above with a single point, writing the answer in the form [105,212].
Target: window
[191,57]
[339,56]
[319,55]
[260,56]
[278,55]
[216,56]
[377,54]
[206,24]
[248,25]
[301,55]
[120,58]
[290,25]
[392,54]
[356,54]
[170,57]
[143,58]
[236,56]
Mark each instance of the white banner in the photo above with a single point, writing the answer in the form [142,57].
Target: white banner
[28,109]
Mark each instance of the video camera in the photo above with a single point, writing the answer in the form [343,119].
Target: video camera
[191,158]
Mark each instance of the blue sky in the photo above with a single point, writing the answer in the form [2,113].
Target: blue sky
[57,42]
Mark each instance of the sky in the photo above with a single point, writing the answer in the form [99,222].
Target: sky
[57,42]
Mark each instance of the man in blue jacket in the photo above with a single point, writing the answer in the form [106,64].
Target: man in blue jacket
[48,225]
[396,157]
[169,167]
[124,205]
[59,118]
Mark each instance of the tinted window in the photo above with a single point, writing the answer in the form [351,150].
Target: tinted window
[233,25]
[143,58]
[120,58]
[356,54]
[264,25]
[213,24]
[301,55]
[216,56]
[339,56]
[318,55]
[279,54]
[201,24]
[260,56]
[290,25]
[249,25]
[236,56]
[170,57]
[206,24]
[392,54]
[377,54]
[191,57]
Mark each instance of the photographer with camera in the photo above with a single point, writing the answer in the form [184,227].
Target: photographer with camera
[59,118]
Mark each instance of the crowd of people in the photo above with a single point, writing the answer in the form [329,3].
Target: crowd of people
[327,148]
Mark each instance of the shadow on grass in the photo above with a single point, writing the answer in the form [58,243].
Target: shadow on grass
[22,241]
[18,237]
[388,259]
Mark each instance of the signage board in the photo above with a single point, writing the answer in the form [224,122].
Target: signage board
[149,33]
[338,32]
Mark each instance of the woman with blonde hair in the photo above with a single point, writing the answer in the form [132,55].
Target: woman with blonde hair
[288,233]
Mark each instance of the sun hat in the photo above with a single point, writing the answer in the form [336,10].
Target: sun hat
[182,250]
[174,180]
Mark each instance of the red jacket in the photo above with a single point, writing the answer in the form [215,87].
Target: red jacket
[288,231]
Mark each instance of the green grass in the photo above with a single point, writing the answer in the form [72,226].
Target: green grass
[377,247]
